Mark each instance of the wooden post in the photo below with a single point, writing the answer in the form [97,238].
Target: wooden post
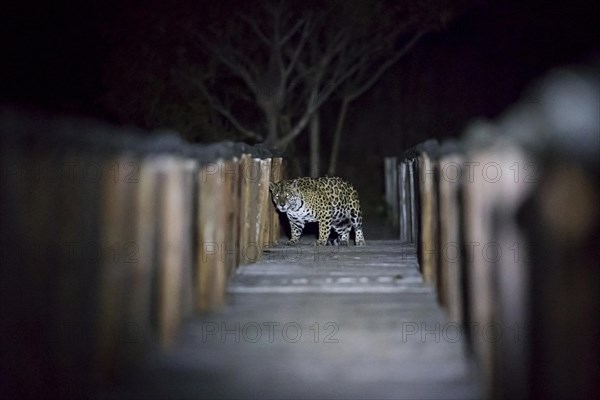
[498,290]
[413,199]
[391,189]
[74,275]
[252,252]
[276,176]
[142,175]
[451,262]
[264,205]
[563,224]
[481,249]
[50,261]
[477,225]
[245,204]
[189,170]
[511,270]
[403,203]
[429,215]
[119,258]
[212,219]
[230,250]
[174,246]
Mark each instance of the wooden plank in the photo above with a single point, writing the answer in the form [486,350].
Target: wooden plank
[368,306]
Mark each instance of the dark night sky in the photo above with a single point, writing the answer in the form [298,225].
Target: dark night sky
[53,53]
[478,67]
[54,56]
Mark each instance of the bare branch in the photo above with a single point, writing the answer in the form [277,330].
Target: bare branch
[254,26]
[230,58]
[386,65]
[335,46]
[217,106]
[282,142]
[291,33]
[299,47]
[314,102]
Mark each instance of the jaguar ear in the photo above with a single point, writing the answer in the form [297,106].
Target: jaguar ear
[295,183]
[272,186]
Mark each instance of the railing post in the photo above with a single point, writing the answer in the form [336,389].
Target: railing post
[477,234]
[391,189]
[110,240]
[147,226]
[189,169]
[253,251]
[245,207]
[414,217]
[118,260]
[230,251]
[276,176]
[450,246]
[404,205]
[429,217]
[263,224]
[174,246]
[212,219]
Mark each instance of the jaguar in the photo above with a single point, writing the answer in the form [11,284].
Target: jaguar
[330,201]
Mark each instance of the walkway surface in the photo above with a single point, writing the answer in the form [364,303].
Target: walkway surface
[328,322]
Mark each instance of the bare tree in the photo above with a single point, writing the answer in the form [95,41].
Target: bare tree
[261,51]
[286,60]
[368,37]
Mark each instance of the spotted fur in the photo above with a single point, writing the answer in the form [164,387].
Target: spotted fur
[330,201]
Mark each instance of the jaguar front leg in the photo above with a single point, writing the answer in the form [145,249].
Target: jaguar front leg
[296,226]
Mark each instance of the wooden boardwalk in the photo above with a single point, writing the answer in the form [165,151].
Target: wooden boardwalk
[306,322]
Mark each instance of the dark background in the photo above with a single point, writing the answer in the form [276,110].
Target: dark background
[72,57]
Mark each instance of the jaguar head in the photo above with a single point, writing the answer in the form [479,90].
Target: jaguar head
[284,194]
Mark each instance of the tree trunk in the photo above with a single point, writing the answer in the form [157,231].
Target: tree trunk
[337,136]
[272,125]
[315,141]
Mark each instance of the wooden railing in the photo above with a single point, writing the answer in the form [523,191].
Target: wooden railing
[508,233]
[111,238]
